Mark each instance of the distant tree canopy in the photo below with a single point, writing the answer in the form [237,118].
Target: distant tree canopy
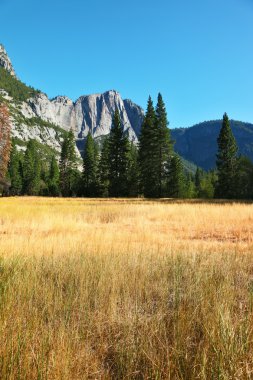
[120,168]
[14,87]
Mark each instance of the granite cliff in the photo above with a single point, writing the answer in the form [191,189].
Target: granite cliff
[36,116]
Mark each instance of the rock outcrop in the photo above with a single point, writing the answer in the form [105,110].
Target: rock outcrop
[5,61]
[90,113]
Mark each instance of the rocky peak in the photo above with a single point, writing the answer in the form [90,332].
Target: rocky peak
[5,61]
[89,113]
[64,100]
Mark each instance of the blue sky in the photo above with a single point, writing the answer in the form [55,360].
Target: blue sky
[197,53]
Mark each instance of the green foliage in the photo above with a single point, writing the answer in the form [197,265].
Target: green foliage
[68,166]
[189,167]
[15,171]
[118,156]
[54,178]
[121,169]
[190,188]
[149,153]
[198,176]
[198,144]
[164,142]
[90,167]
[31,169]
[155,149]
[227,161]
[133,172]
[176,178]
[207,185]
[244,179]
[103,169]
[14,87]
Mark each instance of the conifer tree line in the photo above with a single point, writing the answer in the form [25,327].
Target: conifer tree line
[120,168]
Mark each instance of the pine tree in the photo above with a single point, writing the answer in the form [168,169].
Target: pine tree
[149,154]
[54,178]
[118,159]
[68,166]
[133,172]
[176,179]
[198,176]
[15,172]
[206,190]
[190,188]
[31,169]
[103,169]
[90,167]
[227,161]
[164,142]
[44,178]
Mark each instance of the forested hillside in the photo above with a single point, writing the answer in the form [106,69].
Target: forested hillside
[198,144]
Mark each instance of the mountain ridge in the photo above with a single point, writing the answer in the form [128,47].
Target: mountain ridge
[198,143]
[89,113]
[35,115]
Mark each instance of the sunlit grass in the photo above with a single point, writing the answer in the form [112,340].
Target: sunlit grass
[115,289]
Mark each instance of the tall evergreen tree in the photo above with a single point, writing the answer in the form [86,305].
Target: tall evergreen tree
[118,158]
[15,172]
[227,161]
[197,178]
[68,166]
[54,178]
[103,169]
[149,154]
[133,172]
[164,142]
[90,167]
[176,179]
[31,169]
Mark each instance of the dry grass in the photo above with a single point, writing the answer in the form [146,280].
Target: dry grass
[120,289]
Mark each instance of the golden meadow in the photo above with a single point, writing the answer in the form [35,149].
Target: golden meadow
[125,289]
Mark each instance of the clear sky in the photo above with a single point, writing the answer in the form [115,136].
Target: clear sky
[197,53]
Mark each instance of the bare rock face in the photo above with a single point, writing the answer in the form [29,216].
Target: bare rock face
[5,61]
[94,113]
[59,111]
[135,115]
[90,113]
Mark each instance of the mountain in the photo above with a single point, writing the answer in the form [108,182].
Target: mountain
[5,61]
[198,144]
[36,116]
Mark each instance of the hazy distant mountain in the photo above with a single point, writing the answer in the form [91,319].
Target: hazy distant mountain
[198,144]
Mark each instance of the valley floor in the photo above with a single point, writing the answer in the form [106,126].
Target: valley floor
[125,289]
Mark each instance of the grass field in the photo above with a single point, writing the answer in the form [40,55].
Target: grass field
[125,289]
